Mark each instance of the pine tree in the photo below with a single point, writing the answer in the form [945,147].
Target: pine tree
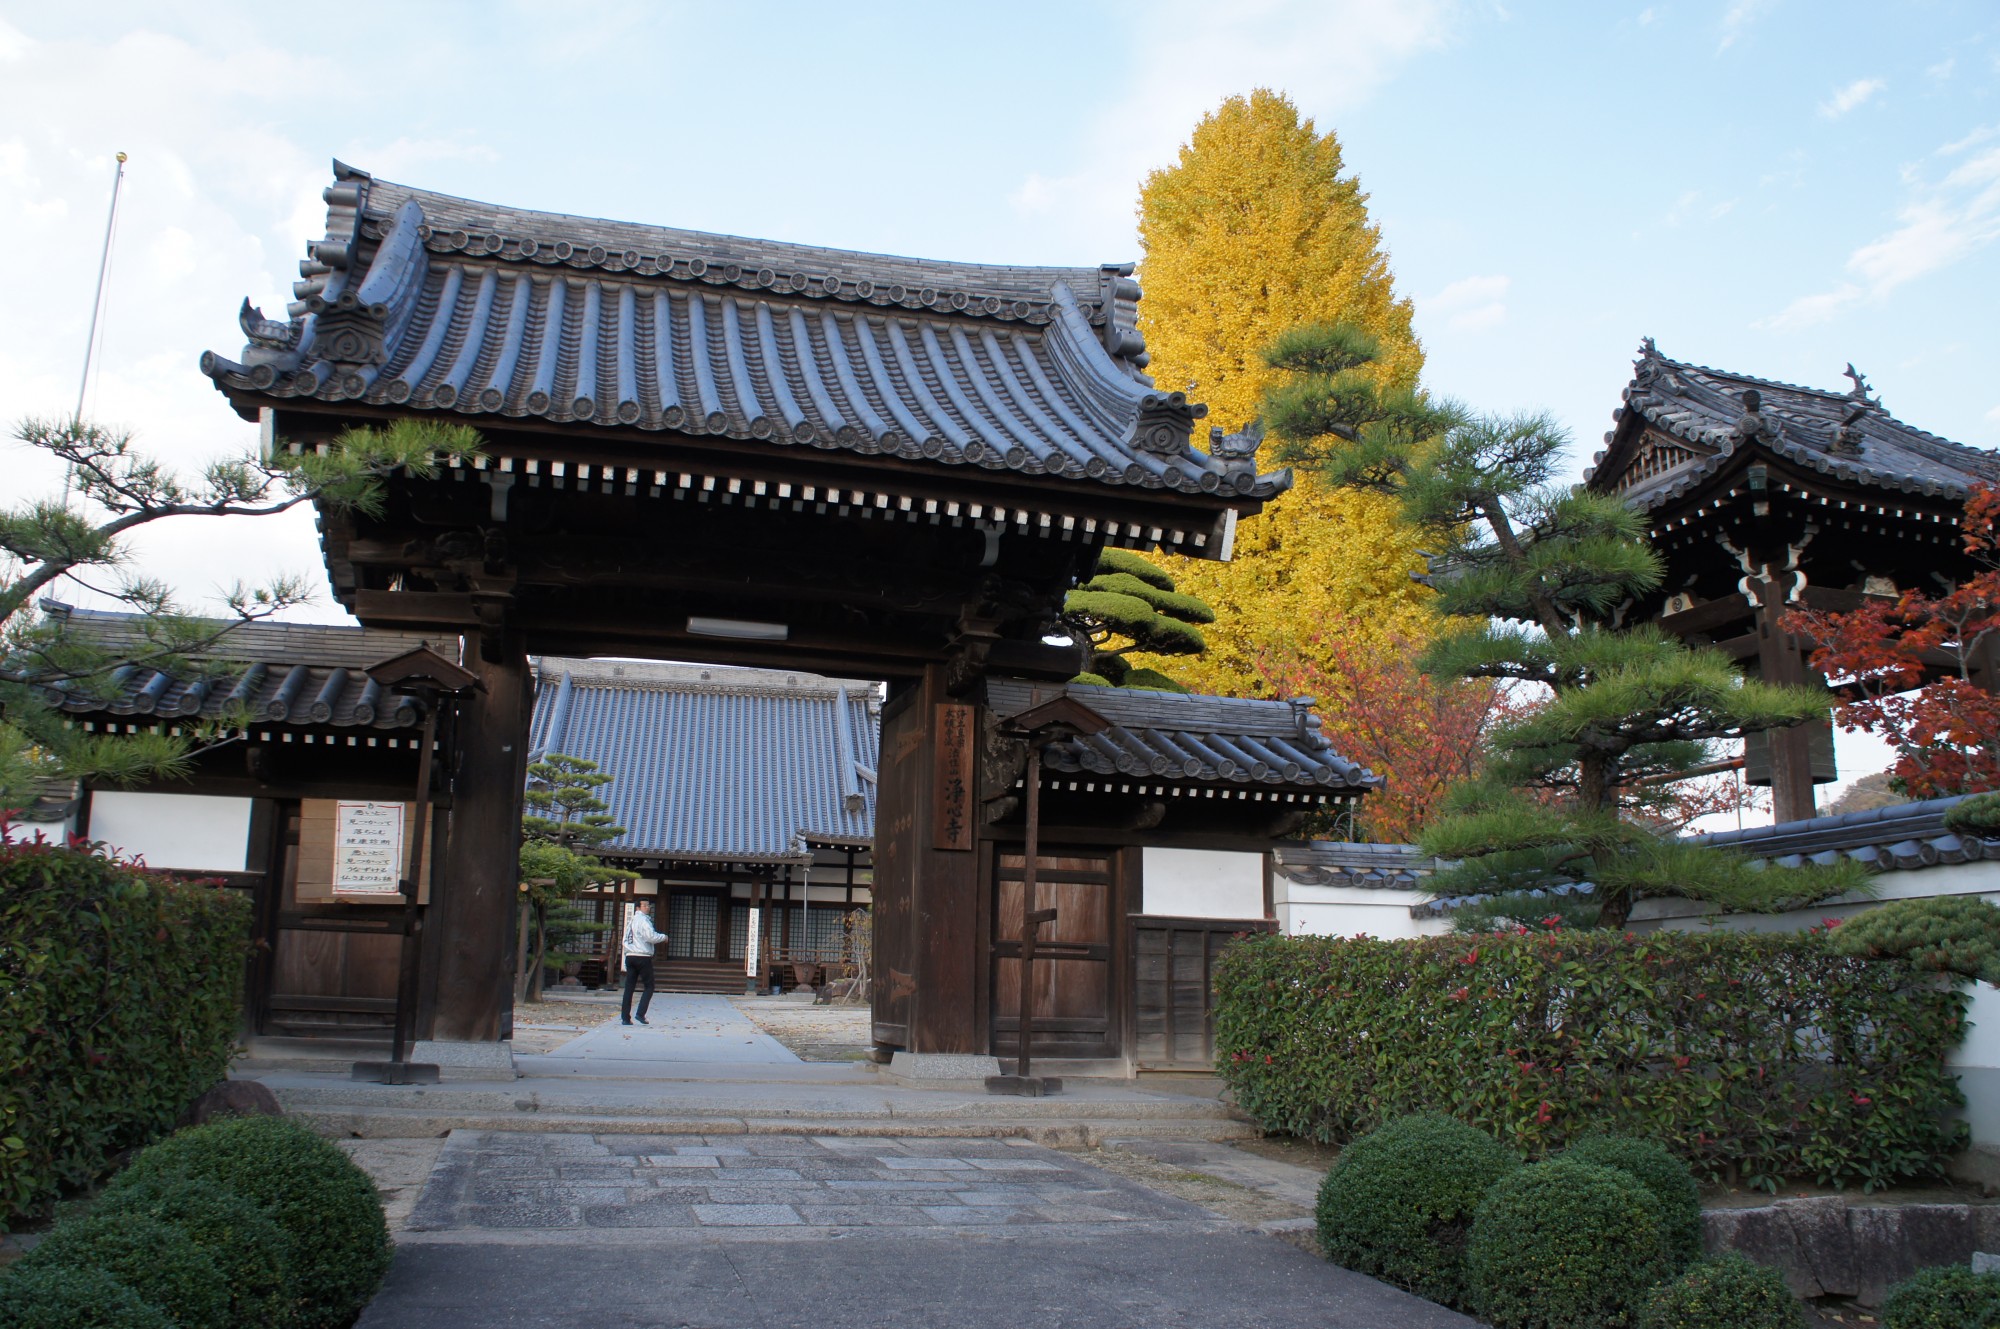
[84,536]
[1252,231]
[563,827]
[1539,575]
[1130,606]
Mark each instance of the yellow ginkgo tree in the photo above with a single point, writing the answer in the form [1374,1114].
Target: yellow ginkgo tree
[1253,231]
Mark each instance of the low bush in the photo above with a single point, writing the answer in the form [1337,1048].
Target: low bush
[1724,1292]
[157,1261]
[1951,1297]
[1398,1205]
[1667,1177]
[337,1245]
[1564,1245]
[245,1245]
[1756,1057]
[57,1298]
[123,989]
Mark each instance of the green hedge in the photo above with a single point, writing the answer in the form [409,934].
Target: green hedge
[1948,1297]
[336,1244]
[1564,1245]
[1725,1291]
[121,992]
[1756,1057]
[1398,1204]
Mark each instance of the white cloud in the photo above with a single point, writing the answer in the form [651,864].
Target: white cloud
[1972,140]
[1940,225]
[1693,204]
[1190,55]
[14,43]
[1737,19]
[1941,71]
[1994,415]
[1849,97]
[1647,16]
[1473,304]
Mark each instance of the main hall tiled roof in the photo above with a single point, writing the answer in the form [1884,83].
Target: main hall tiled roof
[709,764]
[1177,736]
[1847,435]
[428,302]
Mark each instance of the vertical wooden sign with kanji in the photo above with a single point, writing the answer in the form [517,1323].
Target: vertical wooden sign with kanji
[951,804]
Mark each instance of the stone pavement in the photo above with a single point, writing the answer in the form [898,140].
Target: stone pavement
[684,1030]
[614,1231]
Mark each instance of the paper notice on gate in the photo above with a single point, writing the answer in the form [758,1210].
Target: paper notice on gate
[367,848]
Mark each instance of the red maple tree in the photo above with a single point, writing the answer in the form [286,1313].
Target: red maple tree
[1421,734]
[1946,731]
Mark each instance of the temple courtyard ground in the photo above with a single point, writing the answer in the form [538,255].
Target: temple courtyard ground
[884,1206]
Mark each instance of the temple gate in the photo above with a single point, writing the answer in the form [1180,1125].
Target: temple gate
[709,448]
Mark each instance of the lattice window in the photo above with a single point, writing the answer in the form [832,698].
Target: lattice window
[691,927]
[739,931]
[818,935]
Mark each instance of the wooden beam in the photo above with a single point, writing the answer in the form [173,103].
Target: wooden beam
[1704,619]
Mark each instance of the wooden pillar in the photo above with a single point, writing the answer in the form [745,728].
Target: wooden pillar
[928,967]
[1780,659]
[474,913]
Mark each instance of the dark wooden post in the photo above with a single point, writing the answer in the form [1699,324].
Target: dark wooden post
[482,854]
[1780,660]
[1031,917]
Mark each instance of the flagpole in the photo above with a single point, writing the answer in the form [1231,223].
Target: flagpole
[103,267]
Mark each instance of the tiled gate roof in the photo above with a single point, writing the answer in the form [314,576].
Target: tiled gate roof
[427,302]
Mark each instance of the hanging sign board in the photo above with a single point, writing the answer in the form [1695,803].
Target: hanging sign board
[951,812]
[367,848]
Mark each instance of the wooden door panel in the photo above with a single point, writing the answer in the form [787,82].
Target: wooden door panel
[1173,968]
[1075,1011]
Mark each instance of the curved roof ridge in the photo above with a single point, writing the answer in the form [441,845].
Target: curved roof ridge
[1847,434]
[426,302]
[387,195]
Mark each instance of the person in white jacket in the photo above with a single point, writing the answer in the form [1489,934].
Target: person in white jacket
[640,939]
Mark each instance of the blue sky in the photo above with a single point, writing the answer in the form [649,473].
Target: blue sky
[1774,186]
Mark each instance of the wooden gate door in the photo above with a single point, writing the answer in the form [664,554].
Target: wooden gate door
[332,965]
[1075,1011]
[1173,987]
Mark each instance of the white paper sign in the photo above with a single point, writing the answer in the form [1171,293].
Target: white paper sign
[368,848]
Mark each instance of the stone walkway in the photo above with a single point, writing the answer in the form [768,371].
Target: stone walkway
[533,1230]
[492,1181]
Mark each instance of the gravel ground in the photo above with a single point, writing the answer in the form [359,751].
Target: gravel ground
[812,1033]
[544,1026]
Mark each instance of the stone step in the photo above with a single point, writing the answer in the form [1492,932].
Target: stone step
[777,1102]
[385,1123]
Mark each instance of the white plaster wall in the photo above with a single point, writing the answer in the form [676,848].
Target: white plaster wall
[1342,911]
[1203,883]
[191,832]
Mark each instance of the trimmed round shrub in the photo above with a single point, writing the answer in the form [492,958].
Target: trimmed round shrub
[53,1297]
[1565,1245]
[246,1246]
[1667,1177]
[156,1261]
[1724,1292]
[337,1245]
[1950,1297]
[1399,1203]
